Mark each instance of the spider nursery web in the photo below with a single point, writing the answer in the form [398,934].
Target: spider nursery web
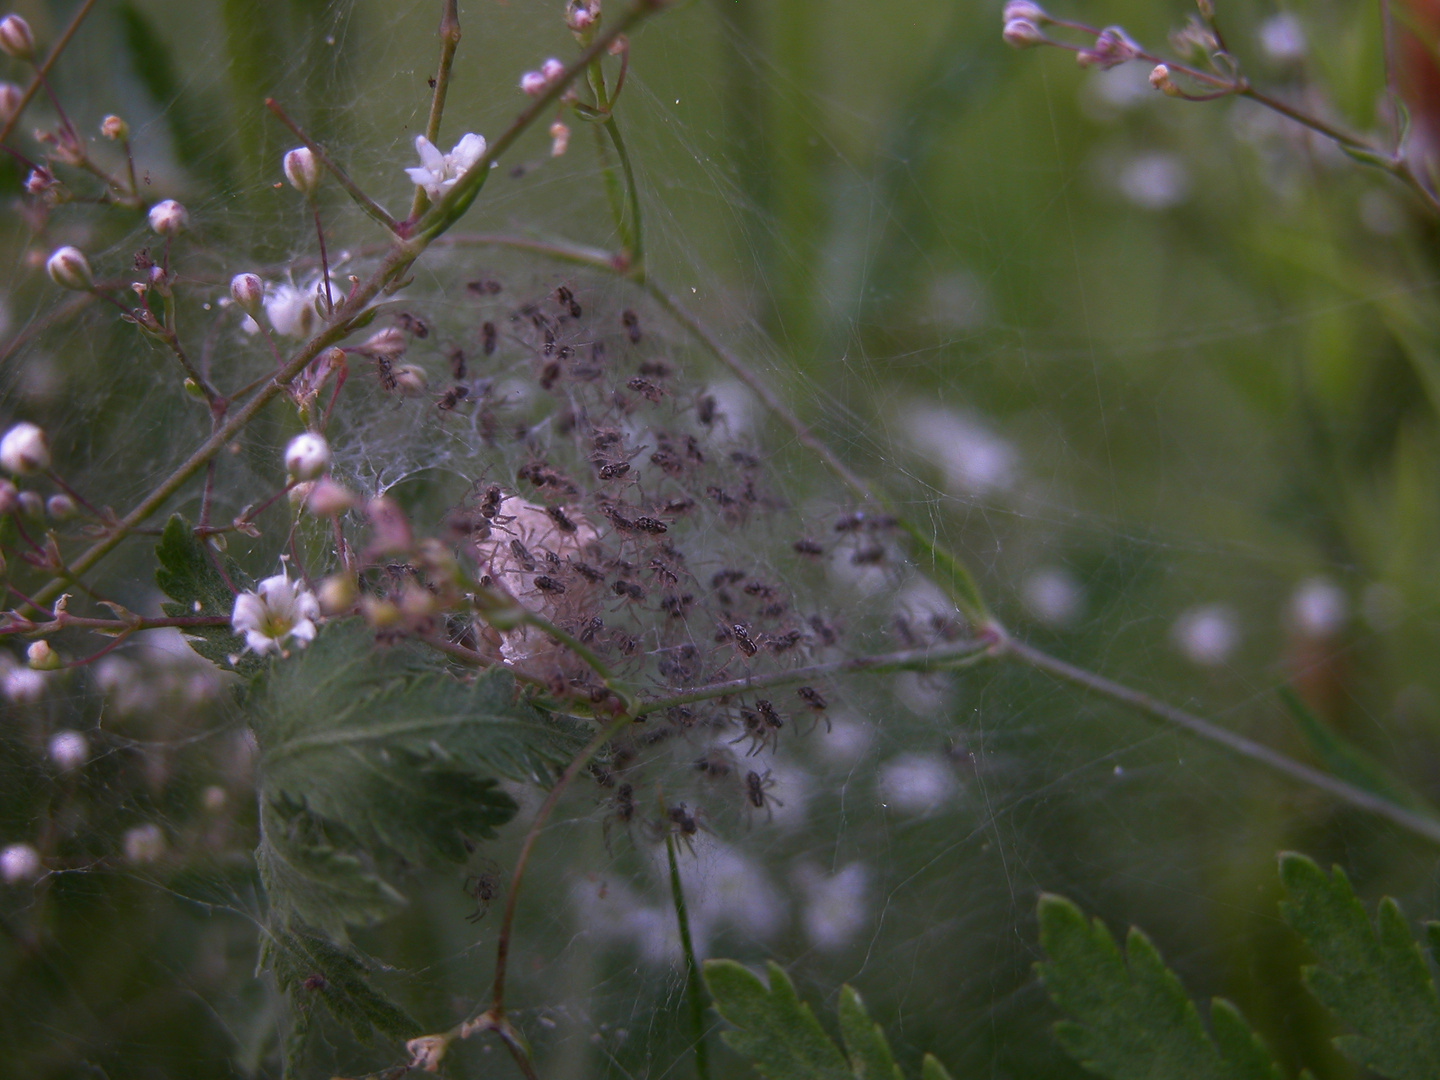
[1080,435]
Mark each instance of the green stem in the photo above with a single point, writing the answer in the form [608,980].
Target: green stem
[633,235]
[365,202]
[694,988]
[614,195]
[449,42]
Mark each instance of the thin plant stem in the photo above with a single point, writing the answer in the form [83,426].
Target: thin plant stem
[634,232]
[449,42]
[44,68]
[694,988]
[365,202]
[1420,824]
[614,195]
[496,1011]
[936,659]
[324,259]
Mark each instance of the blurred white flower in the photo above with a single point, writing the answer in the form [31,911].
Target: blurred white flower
[144,843]
[1154,181]
[915,783]
[1053,596]
[971,459]
[438,172]
[1319,608]
[1283,38]
[19,863]
[1207,635]
[835,908]
[22,686]
[69,750]
[307,455]
[291,311]
[846,741]
[23,450]
[278,610]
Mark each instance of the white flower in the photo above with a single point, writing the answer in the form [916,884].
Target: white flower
[438,172]
[291,311]
[69,750]
[144,843]
[19,863]
[278,609]
[24,450]
[307,456]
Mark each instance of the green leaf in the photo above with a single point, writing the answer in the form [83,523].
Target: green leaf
[1373,978]
[312,969]
[864,1040]
[779,1035]
[1349,762]
[774,1030]
[187,576]
[1130,1016]
[372,759]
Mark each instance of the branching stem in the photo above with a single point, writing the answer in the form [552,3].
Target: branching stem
[449,42]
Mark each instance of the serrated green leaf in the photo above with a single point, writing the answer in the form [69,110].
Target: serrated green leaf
[1130,1016]
[186,575]
[312,969]
[372,758]
[865,1043]
[774,1030]
[1350,763]
[1373,978]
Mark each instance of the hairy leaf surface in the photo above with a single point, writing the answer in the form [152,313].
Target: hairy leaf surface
[186,575]
[371,759]
[1130,1018]
[1373,978]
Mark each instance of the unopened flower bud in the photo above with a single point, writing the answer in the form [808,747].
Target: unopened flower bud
[16,39]
[582,16]
[31,504]
[60,507]
[68,750]
[392,530]
[168,218]
[10,97]
[307,456]
[560,139]
[1160,80]
[69,269]
[327,498]
[552,69]
[39,181]
[248,292]
[380,614]
[302,170]
[112,127]
[532,83]
[9,497]
[41,657]
[410,379]
[1022,34]
[1028,10]
[1112,48]
[19,864]
[387,344]
[24,450]
[337,594]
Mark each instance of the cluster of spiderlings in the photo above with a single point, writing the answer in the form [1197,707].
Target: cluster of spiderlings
[610,496]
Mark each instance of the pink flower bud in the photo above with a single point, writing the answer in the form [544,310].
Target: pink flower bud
[302,170]
[552,69]
[307,456]
[327,498]
[248,292]
[112,127]
[1028,10]
[10,96]
[560,139]
[69,269]
[532,83]
[168,218]
[16,39]
[1022,34]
